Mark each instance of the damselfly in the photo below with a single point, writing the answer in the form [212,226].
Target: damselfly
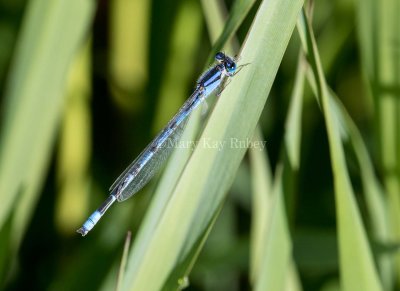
[143,168]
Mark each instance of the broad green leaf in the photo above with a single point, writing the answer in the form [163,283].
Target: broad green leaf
[165,187]
[51,33]
[292,280]
[215,18]
[210,172]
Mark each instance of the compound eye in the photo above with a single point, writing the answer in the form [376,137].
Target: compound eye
[220,57]
[230,67]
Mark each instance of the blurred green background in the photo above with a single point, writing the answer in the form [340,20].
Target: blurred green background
[84,87]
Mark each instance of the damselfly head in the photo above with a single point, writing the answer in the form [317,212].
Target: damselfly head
[230,66]
[228,62]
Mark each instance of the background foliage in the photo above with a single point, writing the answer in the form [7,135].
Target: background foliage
[84,87]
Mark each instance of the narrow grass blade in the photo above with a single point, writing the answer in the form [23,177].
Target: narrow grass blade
[357,267]
[276,256]
[261,205]
[379,30]
[377,204]
[293,121]
[184,44]
[290,156]
[124,259]
[215,14]
[237,14]
[265,230]
[290,151]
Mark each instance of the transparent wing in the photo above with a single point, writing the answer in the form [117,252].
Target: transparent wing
[153,164]
[146,165]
